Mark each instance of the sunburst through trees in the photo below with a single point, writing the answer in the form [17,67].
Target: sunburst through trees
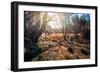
[56,36]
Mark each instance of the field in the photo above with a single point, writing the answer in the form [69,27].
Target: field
[54,47]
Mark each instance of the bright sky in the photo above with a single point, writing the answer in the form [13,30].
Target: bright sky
[55,21]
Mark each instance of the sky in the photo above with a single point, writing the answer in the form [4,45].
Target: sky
[55,22]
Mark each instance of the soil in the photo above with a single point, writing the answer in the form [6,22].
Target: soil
[54,47]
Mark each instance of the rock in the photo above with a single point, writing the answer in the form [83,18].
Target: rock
[85,52]
[31,52]
[70,50]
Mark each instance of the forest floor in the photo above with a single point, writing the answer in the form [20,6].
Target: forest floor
[54,47]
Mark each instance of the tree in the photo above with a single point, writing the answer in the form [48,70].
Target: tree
[85,26]
[85,20]
[75,23]
[34,25]
[64,17]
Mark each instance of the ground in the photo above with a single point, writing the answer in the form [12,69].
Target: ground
[54,47]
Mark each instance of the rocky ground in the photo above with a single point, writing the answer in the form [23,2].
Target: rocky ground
[54,47]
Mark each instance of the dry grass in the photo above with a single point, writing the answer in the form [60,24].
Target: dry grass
[55,48]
